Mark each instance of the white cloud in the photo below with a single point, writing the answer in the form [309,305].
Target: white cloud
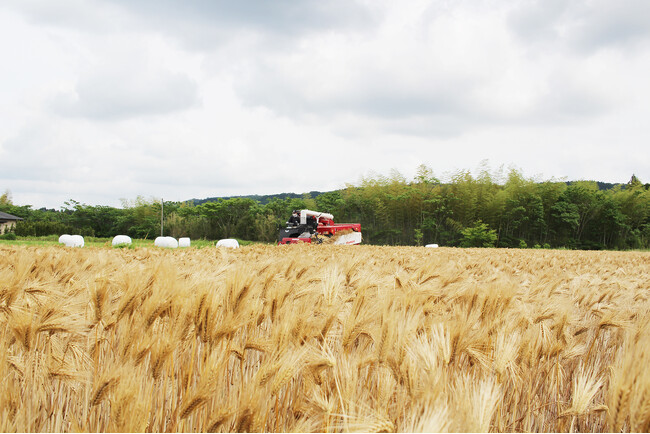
[112,99]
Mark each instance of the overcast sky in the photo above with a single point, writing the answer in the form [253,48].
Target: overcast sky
[108,99]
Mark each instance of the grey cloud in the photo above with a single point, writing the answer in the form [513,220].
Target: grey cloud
[397,102]
[439,105]
[606,23]
[91,16]
[364,90]
[279,16]
[581,25]
[201,24]
[115,95]
[538,19]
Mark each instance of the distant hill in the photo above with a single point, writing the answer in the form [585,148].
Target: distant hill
[606,185]
[263,199]
[601,185]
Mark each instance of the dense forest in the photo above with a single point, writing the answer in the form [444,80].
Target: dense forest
[484,210]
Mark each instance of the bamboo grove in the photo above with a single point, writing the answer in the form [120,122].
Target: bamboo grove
[485,210]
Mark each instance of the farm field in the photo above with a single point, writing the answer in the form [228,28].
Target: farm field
[323,338]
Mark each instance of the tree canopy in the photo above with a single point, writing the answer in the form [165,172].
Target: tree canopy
[489,209]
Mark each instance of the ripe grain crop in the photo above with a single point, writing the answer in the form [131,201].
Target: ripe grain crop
[323,338]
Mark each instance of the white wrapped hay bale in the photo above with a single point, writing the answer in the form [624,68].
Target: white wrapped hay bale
[167,242]
[183,242]
[72,240]
[119,240]
[432,246]
[228,242]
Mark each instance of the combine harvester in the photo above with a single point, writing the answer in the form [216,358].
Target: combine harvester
[307,226]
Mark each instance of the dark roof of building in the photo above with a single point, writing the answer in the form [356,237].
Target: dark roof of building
[5,216]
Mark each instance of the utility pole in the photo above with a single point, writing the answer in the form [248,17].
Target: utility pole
[162,205]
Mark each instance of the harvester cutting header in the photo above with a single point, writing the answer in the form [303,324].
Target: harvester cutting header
[307,226]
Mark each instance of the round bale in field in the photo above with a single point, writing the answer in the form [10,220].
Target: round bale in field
[73,241]
[432,246]
[228,242]
[118,240]
[168,242]
[184,242]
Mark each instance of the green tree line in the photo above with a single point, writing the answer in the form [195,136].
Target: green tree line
[487,209]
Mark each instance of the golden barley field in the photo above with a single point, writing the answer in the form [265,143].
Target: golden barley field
[323,338]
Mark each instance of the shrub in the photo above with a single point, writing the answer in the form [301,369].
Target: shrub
[41,228]
[480,235]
